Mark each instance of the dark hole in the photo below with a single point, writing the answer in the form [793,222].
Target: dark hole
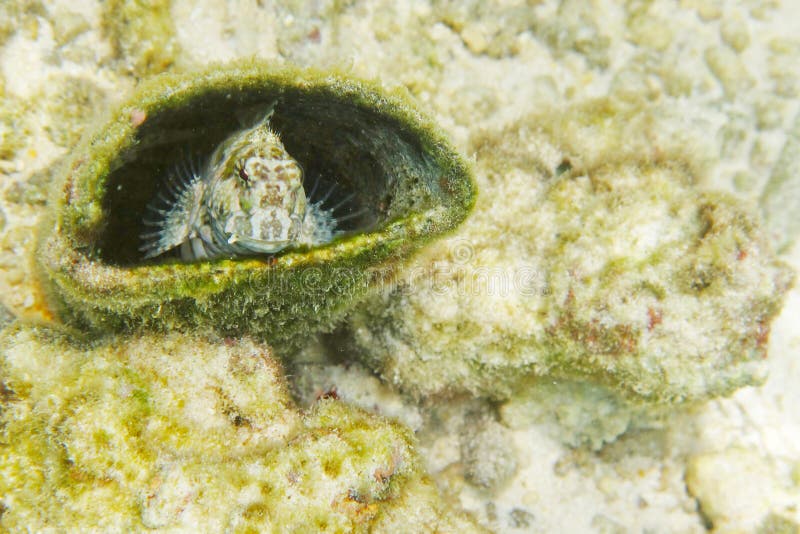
[362,161]
[564,166]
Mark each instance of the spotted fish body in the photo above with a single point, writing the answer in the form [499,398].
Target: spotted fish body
[248,199]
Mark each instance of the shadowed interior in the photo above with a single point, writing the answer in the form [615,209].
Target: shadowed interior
[366,162]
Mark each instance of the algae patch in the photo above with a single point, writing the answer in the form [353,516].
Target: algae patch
[69,101]
[142,33]
[625,275]
[182,432]
[14,126]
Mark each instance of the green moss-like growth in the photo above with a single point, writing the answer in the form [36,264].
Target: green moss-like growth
[192,433]
[486,28]
[18,15]
[374,470]
[403,175]
[142,33]
[14,127]
[33,191]
[69,100]
[624,276]
[777,524]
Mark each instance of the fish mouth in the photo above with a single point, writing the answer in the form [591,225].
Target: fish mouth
[258,245]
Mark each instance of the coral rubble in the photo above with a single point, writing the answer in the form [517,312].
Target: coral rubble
[180,432]
[623,274]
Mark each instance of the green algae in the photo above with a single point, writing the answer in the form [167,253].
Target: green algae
[68,25]
[68,101]
[193,432]
[622,275]
[14,127]
[778,524]
[33,191]
[141,33]
[488,29]
[20,15]
[381,489]
[412,185]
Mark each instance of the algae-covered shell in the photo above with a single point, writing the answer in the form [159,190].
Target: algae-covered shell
[405,181]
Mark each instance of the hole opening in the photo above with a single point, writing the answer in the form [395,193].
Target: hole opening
[363,163]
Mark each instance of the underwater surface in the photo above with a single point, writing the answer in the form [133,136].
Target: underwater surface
[427,266]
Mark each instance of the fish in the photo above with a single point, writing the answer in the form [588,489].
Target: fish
[247,199]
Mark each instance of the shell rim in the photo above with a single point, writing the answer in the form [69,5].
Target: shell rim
[80,214]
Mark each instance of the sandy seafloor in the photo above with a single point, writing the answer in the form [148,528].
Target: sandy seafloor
[725,74]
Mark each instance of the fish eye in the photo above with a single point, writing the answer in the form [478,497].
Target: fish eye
[239,168]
